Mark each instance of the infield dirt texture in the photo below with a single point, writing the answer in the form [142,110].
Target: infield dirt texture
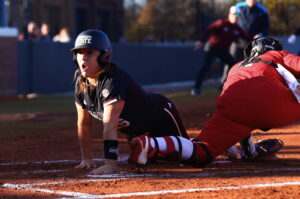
[41,165]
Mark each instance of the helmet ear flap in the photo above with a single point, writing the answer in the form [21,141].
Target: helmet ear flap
[247,50]
[260,48]
[257,48]
[104,57]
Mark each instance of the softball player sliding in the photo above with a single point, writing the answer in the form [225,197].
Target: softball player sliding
[261,92]
[106,92]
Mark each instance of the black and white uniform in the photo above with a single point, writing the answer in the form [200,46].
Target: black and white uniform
[143,112]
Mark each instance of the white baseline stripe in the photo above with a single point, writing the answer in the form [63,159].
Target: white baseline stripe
[66,193]
[31,172]
[125,176]
[198,190]
[48,162]
[22,186]
[195,175]
[121,160]
[120,195]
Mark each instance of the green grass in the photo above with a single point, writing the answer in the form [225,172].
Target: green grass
[17,129]
[63,113]
[57,104]
[40,105]
[183,96]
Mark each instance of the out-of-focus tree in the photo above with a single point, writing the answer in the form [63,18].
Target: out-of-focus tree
[284,16]
[183,20]
[164,20]
[132,12]
[171,20]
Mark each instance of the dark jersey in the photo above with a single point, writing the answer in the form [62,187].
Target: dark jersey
[143,112]
[254,20]
[222,33]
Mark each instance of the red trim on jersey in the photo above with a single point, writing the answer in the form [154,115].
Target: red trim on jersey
[78,104]
[110,101]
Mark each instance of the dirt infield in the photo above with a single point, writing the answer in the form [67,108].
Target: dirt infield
[42,166]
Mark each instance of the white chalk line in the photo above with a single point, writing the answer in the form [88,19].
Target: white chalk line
[47,162]
[122,160]
[196,175]
[163,192]
[170,175]
[124,176]
[31,172]
[121,195]
[66,193]
[31,187]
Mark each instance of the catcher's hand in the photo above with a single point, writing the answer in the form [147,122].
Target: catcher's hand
[86,164]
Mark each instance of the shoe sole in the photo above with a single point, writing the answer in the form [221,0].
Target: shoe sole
[276,147]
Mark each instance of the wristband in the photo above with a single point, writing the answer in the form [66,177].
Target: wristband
[111,149]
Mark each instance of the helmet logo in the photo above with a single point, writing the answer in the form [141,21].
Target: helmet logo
[83,39]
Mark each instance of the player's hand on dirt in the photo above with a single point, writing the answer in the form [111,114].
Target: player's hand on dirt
[86,164]
[198,44]
[110,166]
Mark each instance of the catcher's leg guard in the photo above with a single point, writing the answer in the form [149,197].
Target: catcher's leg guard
[201,156]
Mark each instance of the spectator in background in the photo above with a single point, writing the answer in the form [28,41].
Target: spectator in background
[222,33]
[254,20]
[32,32]
[45,32]
[292,39]
[63,36]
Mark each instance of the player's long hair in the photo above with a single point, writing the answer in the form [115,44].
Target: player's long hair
[82,87]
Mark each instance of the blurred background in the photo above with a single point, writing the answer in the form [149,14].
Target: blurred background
[152,39]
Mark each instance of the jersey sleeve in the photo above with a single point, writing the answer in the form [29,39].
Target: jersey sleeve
[213,27]
[292,63]
[289,60]
[112,91]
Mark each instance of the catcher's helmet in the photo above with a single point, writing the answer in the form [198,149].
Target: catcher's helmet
[261,45]
[94,40]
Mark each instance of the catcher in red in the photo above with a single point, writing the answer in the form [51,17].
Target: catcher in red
[261,92]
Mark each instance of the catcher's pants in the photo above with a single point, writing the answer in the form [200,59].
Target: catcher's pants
[260,104]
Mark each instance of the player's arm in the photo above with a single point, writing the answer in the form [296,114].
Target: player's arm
[84,126]
[208,31]
[290,61]
[110,123]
